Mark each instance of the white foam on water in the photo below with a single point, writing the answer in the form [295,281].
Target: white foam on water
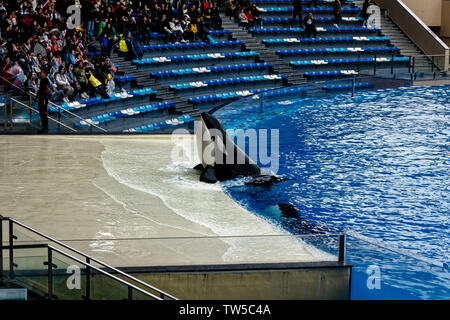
[146,166]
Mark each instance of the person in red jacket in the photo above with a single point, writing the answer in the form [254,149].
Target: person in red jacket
[250,18]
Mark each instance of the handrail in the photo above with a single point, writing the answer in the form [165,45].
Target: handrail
[417,30]
[88,257]
[105,273]
[87,265]
[50,118]
[32,95]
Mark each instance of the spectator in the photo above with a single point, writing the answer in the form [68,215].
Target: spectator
[80,74]
[62,83]
[337,13]
[310,25]
[96,86]
[255,14]
[216,21]
[178,33]
[364,14]
[5,74]
[297,12]
[42,99]
[243,20]
[249,16]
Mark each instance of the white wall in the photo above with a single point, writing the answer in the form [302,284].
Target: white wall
[429,11]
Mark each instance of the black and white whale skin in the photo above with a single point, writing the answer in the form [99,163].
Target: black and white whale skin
[214,149]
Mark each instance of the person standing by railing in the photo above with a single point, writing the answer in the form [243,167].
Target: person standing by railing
[42,99]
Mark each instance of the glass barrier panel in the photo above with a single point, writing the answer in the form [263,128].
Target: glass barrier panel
[384,271]
[69,278]
[137,295]
[180,251]
[106,288]
[30,269]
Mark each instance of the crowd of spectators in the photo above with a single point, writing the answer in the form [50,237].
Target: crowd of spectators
[244,12]
[35,36]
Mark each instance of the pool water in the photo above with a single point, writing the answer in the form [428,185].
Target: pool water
[376,167]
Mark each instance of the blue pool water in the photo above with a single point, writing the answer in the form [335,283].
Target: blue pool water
[375,166]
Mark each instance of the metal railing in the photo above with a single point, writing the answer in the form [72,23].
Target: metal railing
[32,98]
[88,262]
[32,110]
[416,30]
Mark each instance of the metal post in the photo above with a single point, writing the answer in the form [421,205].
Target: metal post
[88,280]
[1,249]
[59,119]
[359,63]
[31,107]
[11,112]
[432,64]
[130,293]
[413,64]
[11,250]
[261,102]
[50,274]
[392,64]
[341,252]
[6,112]
[353,86]
[375,65]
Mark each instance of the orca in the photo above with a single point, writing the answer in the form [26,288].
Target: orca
[221,159]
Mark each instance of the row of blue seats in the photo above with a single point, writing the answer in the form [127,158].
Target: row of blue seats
[195,57]
[319,29]
[318,20]
[227,68]
[111,116]
[346,61]
[99,100]
[163,124]
[219,32]
[313,10]
[123,79]
[330,73]
[193,45]
[268,92]
[90,54]
[339,50]
[227,81]
[337,87]
[324,40]
[225,96]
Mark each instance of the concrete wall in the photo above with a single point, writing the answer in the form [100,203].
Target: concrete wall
[276,284]
[445,20]
[429,11]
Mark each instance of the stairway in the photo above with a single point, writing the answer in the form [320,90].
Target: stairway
[401,40]
[144,80]
[266,55]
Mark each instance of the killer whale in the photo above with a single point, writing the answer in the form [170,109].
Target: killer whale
[221,159]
